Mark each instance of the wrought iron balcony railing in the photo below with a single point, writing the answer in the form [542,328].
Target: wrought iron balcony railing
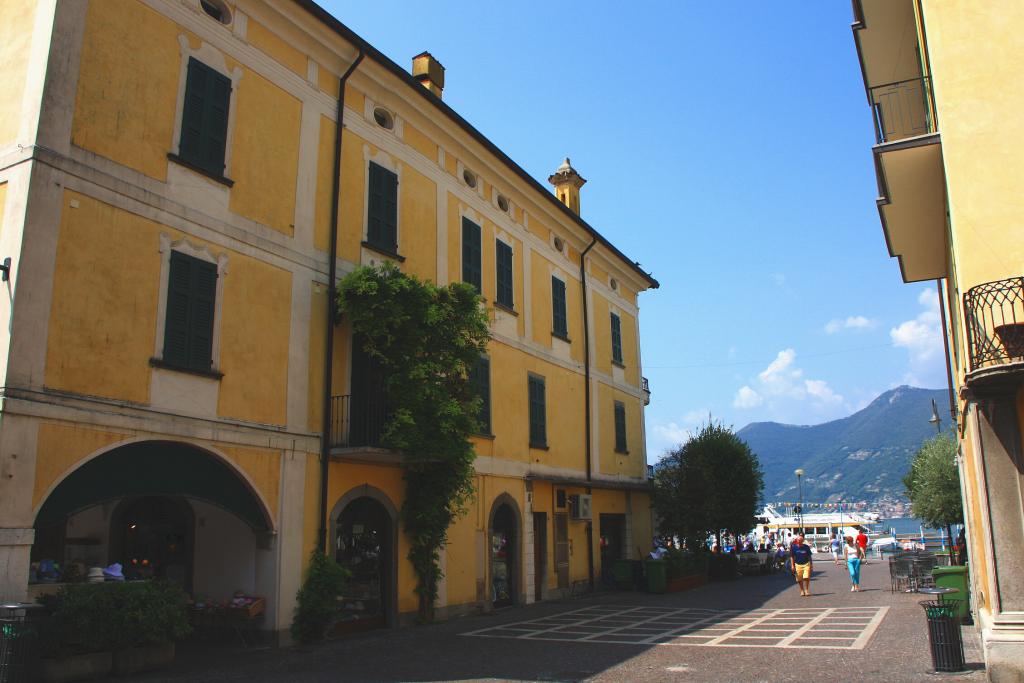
[903,109]
[357,421]
[647,391]
[994,317]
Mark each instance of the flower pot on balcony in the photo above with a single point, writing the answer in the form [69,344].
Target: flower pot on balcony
[1011,336]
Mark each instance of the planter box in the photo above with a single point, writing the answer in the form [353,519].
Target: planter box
[685,583]
[142,658]
[76,667]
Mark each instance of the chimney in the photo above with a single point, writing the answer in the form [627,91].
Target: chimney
[429,72]
[567,184]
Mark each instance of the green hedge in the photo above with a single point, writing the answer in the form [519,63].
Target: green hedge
[93,617]
[682,563]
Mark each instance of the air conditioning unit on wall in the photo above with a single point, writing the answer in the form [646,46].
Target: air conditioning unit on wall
[580,505]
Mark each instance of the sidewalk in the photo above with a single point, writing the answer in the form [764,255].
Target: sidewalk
[753,629]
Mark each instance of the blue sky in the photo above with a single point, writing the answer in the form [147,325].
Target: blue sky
[727,149]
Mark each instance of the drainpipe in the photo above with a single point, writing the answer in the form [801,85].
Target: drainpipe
[945,345]
[586,403]
[332,274]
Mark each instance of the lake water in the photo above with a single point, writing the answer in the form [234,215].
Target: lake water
[910,525]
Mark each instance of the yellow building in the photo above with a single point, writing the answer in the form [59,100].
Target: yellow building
[941,80]
[173,177]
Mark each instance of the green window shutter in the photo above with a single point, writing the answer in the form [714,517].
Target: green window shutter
[616,339]
[559,323]
[471,254]
[480,378]
[188,326]
[538,412]
[382,209]
[204,120]
[503,266]
[620,427]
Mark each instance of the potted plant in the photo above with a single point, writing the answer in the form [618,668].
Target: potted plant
[117,627]
[1011,335]
[685,570]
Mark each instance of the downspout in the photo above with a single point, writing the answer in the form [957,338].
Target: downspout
[332,274]
[586,404]
[945,345]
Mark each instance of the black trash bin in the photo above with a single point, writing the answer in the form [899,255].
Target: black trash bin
[19,642]
[944,634]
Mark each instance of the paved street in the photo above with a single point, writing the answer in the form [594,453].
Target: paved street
[751,629]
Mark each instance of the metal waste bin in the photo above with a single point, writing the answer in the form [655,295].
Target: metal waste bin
[944,639]
[955,577]
[19,642]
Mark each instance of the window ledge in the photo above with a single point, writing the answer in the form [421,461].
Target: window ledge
[618,364]
[199,169]
[384,251]
[539,446]
[507,309]
[160,363]
[563,337]
[621,452]
[488,436]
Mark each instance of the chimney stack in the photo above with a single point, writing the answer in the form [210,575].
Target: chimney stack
[429,72]
[567,184]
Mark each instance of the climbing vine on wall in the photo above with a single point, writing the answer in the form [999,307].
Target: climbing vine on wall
[426,339]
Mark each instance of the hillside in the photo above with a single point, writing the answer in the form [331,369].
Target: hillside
[860,457]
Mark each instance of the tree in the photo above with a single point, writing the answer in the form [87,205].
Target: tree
[426,339]
[710,483]
[933,484]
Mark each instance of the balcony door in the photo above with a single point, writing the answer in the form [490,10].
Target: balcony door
[368,408]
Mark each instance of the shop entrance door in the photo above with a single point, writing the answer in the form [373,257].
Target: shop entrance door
[562,549]
[503,557]
[363,546]
[613,535]
[540,553]
[152,537]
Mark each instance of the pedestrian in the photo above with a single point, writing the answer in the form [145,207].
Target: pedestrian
[852,552]
[862,545]
[803,565]
[836,545]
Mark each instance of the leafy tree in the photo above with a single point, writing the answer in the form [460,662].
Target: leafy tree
[426,339]
[710,483]
[933,484]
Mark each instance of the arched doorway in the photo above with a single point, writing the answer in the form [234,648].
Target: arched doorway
[504,553]
[154,536]
[159,509]
[365,544]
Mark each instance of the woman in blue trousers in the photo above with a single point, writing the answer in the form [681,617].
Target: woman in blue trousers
[852,563]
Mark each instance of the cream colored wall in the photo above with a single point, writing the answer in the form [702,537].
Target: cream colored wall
[15,38]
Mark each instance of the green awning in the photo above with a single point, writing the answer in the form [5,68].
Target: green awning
[154,468]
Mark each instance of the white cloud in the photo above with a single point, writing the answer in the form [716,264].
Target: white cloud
[782,384]
[922,336]
[853,322]
[747,398]
[672,433]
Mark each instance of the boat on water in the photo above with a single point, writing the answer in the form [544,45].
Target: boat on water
[781,523]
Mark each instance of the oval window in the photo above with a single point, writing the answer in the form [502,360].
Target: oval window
[216,9]
[383,118]
[614,283]
[469,177]
[559,244]
[503,203]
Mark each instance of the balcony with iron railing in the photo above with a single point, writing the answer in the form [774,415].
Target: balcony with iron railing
[994,317]
[903,109]
[357,421]
[647,391]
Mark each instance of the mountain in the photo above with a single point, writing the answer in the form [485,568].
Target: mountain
[862,457]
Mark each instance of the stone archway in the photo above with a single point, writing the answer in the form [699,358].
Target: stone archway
[198,521]
[364,540]
[504,546]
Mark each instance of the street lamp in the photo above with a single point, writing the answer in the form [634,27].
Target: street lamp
[935,419]
[799,476]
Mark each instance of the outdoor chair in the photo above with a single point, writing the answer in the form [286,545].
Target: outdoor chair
[899,573]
